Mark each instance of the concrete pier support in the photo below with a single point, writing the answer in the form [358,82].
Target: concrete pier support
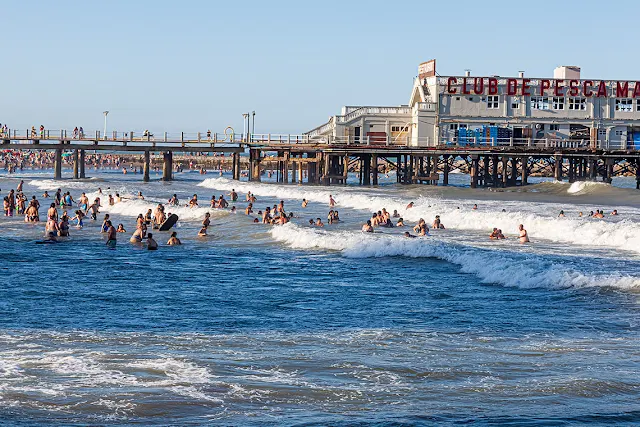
[57,165]
[345,168]
[76,166]
[300,174]
[571,174]
[474,171]
[374,169]
[524,172]
[254,165]
[505,171]
[145,166]
[494,171]
[318,169]
[167,166]
[593,170]
[608,174]
[235,165]
[82,165]
[445,170]
[285,167]
[558,168]
[366,169]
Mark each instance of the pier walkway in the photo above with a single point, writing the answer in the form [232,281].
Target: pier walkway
[328,160]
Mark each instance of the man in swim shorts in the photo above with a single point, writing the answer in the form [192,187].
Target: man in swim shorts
[111,235]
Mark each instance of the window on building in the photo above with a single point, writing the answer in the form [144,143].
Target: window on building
[554,127]
[471,98]
[457,98]
[462,126]
[558,103]
[515,104]
[602,132]
[492,101]
[397,128]
[453,126]
[539,103]
[624,104]
[577,104]
[637,104]
[619,132]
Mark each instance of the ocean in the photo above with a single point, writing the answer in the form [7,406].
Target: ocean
[302,325]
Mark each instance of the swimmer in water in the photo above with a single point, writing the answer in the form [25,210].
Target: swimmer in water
[500,235]
[233,195]
[523,237]
[319,223]
[105,224]
[120,229]
[367,228]
[494,234]
[111,235]
[79,216]
[400,222]
[137,235]
[152,245]
[193,203]
[173,240]
[409,206]
[249,209]
[409,235]
[46,195]
[332,201]
[437,224]
[614,212]
[396,214]
[474,208]
[304,203]
[561,214]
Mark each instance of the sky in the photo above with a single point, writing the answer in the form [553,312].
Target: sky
[196,65]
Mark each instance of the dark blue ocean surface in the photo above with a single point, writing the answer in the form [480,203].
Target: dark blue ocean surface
[301,326]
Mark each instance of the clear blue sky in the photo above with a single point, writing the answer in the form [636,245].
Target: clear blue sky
[192,65]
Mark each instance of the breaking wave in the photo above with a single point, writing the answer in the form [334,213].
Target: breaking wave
[508,268]
[619,233]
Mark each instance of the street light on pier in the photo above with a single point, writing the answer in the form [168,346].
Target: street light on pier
[105,124]
[245,126]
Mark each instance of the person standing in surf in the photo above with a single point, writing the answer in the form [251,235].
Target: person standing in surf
[111,235]
[524,237]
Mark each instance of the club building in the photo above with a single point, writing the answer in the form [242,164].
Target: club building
[565,110]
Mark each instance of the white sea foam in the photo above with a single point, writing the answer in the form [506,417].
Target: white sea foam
[618,233]
[515,269]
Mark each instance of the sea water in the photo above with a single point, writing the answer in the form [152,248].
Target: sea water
[302,325]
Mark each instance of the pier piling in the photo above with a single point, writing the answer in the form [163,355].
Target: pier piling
[145,167]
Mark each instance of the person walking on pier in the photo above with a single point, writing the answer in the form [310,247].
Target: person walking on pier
[41,131]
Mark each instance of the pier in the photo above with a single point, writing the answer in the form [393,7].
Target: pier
[328,160]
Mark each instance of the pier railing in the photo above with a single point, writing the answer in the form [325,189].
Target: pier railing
[542,143]
[137,138]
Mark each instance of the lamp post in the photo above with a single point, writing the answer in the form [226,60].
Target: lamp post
[105,123]
[253,128]
[245,126]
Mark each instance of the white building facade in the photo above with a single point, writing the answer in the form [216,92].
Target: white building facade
[464,110]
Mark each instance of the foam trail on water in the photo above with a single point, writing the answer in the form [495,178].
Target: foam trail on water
[619,234]
[503,267]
